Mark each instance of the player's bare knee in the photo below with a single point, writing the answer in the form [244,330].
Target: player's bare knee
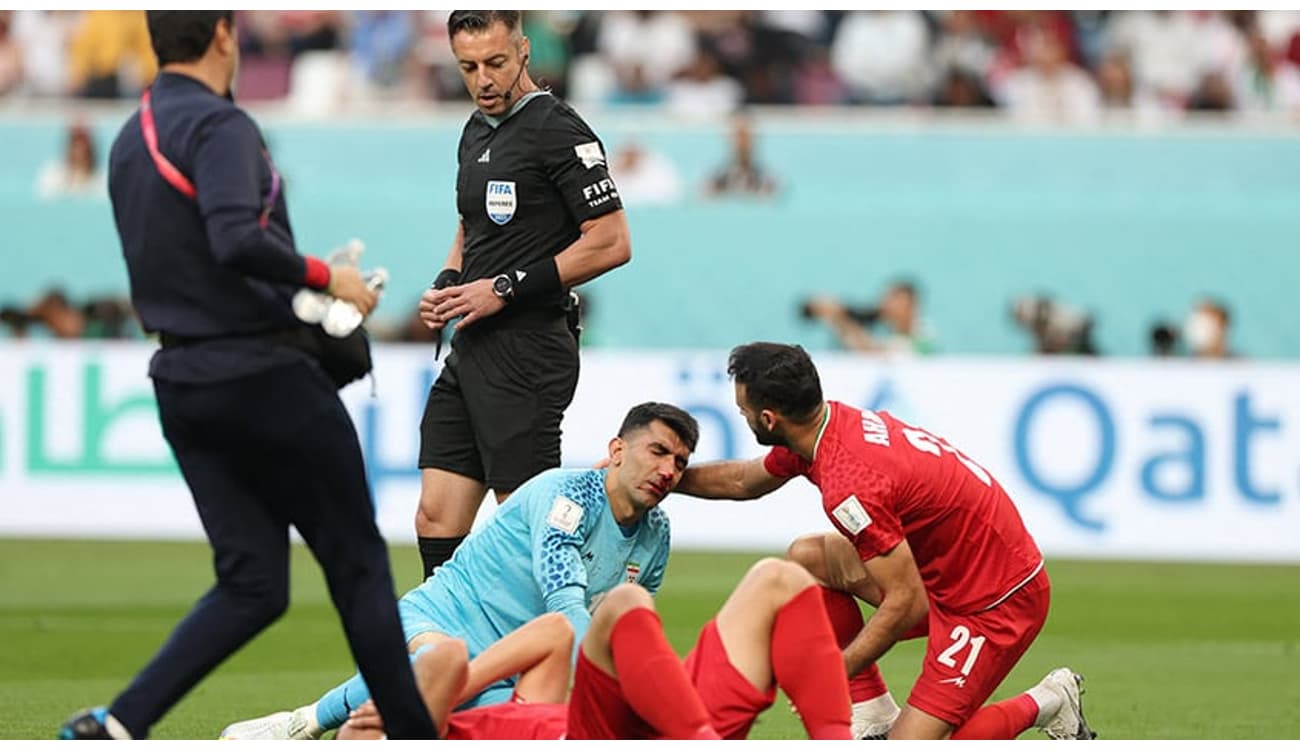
[624,598]
[444,656]
[558,630]
[782,579]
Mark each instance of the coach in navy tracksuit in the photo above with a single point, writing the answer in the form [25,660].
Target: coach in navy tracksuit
[256,425]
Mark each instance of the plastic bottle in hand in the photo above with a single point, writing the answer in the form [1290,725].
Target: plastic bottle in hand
[312,306]
[342,318]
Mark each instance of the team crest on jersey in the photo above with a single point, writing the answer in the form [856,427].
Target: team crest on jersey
[851,515]
[633,572]
[502,199]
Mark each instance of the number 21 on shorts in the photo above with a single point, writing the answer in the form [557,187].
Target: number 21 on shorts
[961,638]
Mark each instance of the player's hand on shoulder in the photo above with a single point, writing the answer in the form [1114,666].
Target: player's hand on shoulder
[347,284]
[470,302]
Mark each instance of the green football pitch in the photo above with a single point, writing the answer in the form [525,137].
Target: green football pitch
[1169,651]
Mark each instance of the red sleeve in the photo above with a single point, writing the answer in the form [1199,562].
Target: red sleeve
[866,515]
[784,463]
[318,273]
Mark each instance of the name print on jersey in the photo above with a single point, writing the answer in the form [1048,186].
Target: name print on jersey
[501,201]
[874,429]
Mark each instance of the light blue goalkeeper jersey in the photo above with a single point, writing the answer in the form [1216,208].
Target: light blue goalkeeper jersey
[552,547]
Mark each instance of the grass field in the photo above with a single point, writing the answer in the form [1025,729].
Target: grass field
[1170,651]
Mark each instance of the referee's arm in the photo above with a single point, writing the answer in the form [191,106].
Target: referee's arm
[605,243]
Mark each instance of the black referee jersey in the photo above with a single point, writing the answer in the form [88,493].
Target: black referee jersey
[526,182]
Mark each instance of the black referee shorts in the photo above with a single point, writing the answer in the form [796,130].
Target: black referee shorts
[494,413]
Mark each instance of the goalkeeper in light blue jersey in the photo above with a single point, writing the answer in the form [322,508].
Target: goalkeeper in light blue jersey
[562,540]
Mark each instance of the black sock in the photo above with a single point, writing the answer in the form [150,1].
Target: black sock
[436,550]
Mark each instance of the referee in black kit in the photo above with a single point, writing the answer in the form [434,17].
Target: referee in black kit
[256,425]
[538,214]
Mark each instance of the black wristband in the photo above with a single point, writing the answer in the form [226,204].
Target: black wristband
[448,277]
[537,280]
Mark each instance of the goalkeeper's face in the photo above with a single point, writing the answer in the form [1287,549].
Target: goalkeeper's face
[648,464]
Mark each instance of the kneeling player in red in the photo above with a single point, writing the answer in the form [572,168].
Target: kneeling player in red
[923,533]
[629,684]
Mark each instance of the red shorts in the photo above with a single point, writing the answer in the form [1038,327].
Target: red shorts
[968,656]
[731,700]
[509,721]
[597,709]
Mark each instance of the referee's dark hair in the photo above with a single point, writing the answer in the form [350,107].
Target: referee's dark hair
[779,377]
[678,420]
[181,36]
[476,21]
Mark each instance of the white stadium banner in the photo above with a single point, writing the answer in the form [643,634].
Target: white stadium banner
[1136,459]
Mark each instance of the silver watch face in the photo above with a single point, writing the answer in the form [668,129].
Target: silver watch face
[502,287]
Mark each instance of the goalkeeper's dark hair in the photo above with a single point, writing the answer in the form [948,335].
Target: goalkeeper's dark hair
[677,420]
[779,377]
[181,36]
[478,21]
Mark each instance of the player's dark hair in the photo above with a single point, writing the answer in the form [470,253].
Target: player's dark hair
[777,377]
[181,36]
[477,21]
[677,420]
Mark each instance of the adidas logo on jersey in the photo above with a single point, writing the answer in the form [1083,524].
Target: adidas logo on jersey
[486,157]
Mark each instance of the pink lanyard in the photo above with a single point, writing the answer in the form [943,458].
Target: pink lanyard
[182,183]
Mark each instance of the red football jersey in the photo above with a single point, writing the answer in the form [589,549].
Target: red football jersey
[510,721]
[883,480]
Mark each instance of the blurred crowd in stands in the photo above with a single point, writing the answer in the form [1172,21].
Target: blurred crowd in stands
[1059,67]
[894,324]
[1070,67]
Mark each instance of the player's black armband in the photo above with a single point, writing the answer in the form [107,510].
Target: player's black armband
[538,279]
[448,277]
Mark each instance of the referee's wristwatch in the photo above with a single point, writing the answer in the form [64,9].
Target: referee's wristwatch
[504,287]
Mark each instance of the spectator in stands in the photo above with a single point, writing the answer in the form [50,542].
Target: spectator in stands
[111,55]
[548,60]
[649,47]
[644,177]
[1056,328]
[1268,82]
[961,88]
[741,176]
[703,91]
[1115,81]
[380,42]
[99,318]
[44,36]
[11,55]
[1206,330]
[815,83]
[77,174]
[1050,89]
[1213,94]
[897,311]
[960,60]
[883,56]
[1163,48]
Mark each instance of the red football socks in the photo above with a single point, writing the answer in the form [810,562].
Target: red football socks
[846,619]
[1004,720]
[806,662]
[652,678]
